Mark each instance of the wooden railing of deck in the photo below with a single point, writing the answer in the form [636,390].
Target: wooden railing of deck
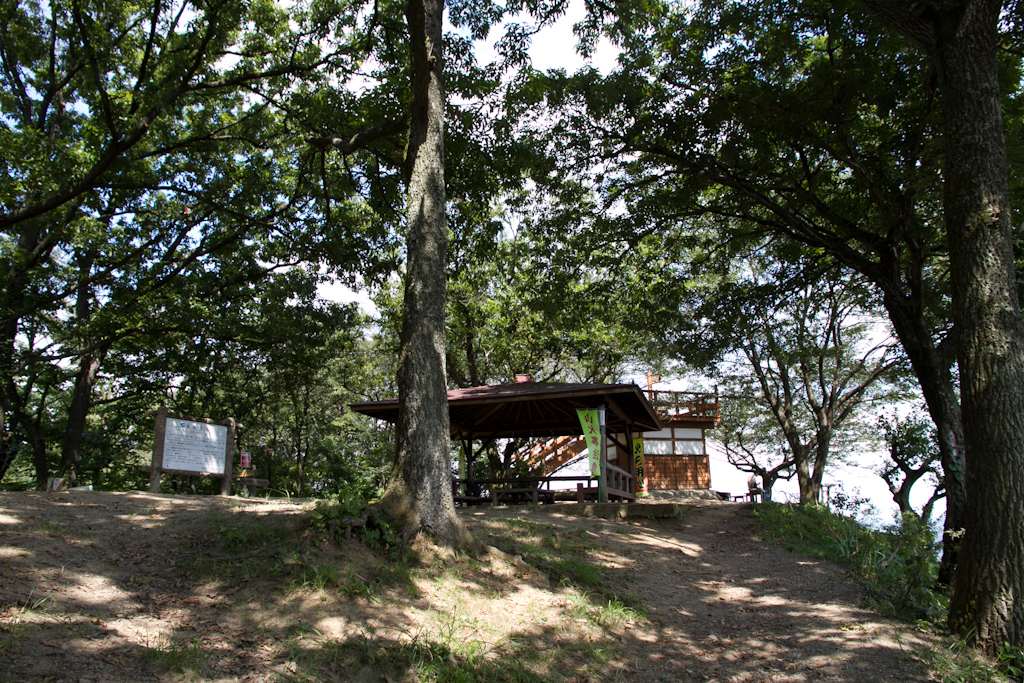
[619,483]
[674,405]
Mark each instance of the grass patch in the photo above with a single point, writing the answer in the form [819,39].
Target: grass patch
[177,656]
[896,565]
[609,612]
[577,571]
[55,528]
[12,631]
[235,546]
[448,656]
[960,663]
[567,558]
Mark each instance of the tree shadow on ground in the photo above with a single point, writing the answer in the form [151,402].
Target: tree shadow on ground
[119,587]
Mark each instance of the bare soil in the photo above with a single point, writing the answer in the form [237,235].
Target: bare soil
[124,587]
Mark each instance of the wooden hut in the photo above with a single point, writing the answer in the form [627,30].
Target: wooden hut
[546,411]
[676,456]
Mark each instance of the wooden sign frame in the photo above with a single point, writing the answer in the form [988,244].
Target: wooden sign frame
[159,438]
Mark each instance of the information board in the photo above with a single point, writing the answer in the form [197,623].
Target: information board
[194,446]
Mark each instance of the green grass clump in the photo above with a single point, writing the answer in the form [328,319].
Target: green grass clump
[896,565]
[957,662]
[178,656]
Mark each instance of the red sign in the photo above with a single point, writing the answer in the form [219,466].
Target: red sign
[246,461]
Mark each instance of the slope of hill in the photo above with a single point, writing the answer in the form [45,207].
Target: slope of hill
[126,587]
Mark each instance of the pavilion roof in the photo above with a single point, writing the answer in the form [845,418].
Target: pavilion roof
[533,409]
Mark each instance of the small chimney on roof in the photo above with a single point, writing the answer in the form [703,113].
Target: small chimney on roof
[524,379]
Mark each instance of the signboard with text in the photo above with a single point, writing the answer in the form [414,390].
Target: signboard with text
[194,446]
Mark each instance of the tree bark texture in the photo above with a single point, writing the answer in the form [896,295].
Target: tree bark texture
[961,36]
[419,493]
[988,587]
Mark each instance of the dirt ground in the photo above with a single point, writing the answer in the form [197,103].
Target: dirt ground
[125,587]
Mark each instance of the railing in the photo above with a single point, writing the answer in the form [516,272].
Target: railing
[619,482]
[694,405]
[538,489]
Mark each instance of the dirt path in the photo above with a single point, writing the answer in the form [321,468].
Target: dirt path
[730,608]
[125,587]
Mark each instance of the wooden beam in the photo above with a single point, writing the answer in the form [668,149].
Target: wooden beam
[602,486]
[617,410]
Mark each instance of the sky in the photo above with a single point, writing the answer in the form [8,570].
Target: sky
[554,48]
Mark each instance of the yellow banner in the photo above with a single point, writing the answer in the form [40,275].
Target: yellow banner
[591,424]
[638,465]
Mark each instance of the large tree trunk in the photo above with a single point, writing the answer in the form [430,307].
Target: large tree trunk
[28,254]
[988,587]
[88,366]
[933,375]
[962,38]
[78,413]
[419,492]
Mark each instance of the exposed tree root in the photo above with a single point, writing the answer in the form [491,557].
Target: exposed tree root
[517,562]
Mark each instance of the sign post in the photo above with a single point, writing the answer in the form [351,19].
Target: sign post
[602,483]
[592,422]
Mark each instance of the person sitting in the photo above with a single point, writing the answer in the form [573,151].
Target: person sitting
[754,489]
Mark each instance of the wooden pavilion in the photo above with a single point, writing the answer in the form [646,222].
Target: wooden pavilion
[544,410]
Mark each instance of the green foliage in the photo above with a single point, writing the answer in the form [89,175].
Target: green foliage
[897,565]
[958,662]
[337,517]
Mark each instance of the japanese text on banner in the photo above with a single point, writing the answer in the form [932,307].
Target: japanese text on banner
[638,465]
[591,424]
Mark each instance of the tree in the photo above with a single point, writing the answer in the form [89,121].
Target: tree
[750,437]
[803,121]
[913,456]
[961,39]
[138,141]
[418,495]
[799,339]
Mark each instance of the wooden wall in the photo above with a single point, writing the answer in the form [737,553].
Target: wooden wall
[677,472]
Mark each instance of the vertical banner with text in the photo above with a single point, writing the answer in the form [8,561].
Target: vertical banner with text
[638,465]
[591,423]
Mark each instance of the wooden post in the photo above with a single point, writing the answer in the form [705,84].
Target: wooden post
[463,457]
[158,449]
[229,459]
[602,482]
[629,457]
